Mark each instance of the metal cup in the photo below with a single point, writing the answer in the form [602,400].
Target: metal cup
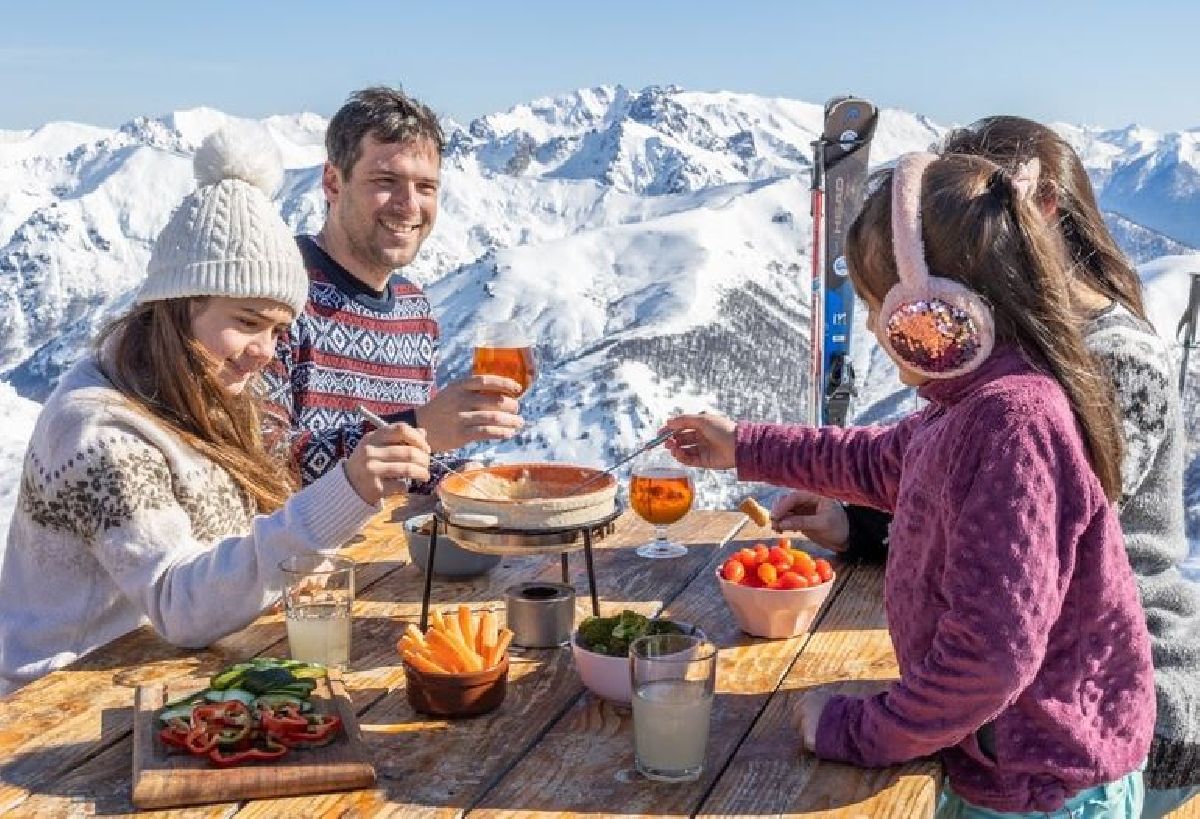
[541,615]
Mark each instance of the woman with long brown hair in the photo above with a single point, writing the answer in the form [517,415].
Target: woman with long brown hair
[1023,652]
[147,493]
[1106,293]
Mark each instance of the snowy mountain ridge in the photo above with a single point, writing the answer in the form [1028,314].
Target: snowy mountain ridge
[654,241]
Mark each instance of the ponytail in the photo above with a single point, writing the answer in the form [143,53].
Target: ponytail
[1053,333]
[1095,259]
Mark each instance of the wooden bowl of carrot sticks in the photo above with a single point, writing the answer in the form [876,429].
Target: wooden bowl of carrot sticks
[459,666]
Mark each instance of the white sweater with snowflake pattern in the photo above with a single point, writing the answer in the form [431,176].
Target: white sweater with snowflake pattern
[118,523]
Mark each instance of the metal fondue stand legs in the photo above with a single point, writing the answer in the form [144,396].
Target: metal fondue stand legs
[586,531]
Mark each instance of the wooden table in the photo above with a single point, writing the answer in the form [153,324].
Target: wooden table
[552,748]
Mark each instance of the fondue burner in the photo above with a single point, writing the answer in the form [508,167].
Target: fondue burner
[520,541]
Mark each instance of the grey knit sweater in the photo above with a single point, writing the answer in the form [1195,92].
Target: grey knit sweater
[1152,518]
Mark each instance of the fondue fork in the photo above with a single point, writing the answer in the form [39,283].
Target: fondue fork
[646,447]
[376,421]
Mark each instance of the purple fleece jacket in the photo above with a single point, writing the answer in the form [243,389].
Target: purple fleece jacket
[1009,597]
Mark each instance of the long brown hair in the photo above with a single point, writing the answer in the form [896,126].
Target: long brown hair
[1096,259]
[153,360]
[978,231]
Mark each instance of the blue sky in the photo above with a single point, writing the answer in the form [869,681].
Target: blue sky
[1102,63]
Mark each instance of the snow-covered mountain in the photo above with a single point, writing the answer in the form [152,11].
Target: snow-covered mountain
[654,241]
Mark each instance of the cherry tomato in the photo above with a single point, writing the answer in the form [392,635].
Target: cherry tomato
[733,570]
[804,561]
[747,558]
[761,553]
[784,543]
[751,580]
[813,578]
[778,554]
[792,580]
[767,574]
[824,570]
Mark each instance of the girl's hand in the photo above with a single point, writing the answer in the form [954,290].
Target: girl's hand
[811,705]
[386,460]
[822,520]
[702,440]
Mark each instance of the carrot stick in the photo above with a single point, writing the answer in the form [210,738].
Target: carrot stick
[501,646]
[421,664]
[487,633]
[445,652]
[465,659]
[464,625]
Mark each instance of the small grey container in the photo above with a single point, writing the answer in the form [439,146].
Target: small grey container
[541,615]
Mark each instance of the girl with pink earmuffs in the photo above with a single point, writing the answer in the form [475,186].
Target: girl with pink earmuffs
[1023,651]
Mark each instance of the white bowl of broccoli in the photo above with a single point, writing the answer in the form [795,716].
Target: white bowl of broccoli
[600,647]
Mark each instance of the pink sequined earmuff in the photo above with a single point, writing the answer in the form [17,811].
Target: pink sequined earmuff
[938,327]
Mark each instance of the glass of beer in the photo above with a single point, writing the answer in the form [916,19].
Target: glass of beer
[661,491]
[504,348]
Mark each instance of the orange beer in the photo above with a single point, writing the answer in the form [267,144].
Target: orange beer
[661,495]
[516,363]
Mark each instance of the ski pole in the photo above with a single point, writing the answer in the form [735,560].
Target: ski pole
[1187,322]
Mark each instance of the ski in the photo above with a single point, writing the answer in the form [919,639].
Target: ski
[839,178]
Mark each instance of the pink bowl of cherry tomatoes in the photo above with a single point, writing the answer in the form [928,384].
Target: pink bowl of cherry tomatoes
[774,591]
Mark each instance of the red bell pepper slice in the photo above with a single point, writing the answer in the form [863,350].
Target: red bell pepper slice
[175,735]
[200,740]
[319,731]
[283,720]
[231,712]
[271,750]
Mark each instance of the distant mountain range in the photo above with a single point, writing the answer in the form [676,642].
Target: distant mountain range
[654,241]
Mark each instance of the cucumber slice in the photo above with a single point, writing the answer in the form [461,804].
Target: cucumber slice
[296,689]
[309,671]
[230,676]
[276,700]
[244,697]
[265,680]
[176,712]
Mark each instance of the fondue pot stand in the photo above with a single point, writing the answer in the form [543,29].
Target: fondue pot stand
[479,534]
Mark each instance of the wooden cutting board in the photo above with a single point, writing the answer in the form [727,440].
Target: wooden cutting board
[162,779]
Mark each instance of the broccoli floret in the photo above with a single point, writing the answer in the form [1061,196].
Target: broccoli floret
[595,633]
[611,636]
[630,625]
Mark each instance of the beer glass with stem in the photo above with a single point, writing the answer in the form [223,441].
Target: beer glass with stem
[661,491]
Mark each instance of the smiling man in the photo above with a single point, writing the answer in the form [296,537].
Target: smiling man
[367,335]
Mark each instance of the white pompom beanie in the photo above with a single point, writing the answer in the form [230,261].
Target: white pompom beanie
[227,238]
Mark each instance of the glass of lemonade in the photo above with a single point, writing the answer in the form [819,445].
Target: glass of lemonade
[318,594]
[674,677]
[504,348]
[661,492]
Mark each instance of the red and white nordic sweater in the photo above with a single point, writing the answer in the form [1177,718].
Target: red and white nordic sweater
[349,347]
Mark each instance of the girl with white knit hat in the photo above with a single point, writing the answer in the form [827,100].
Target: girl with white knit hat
[147,493]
